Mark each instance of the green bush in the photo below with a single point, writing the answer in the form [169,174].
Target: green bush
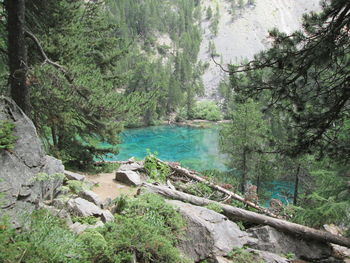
[215,207]
[147,228]
[45,239]
[155,169]
[7,139]
[240,255]
[207,110]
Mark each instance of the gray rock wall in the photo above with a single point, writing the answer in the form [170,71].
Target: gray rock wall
[19,166]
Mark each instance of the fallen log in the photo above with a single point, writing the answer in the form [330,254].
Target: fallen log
[301,231]
[233,195]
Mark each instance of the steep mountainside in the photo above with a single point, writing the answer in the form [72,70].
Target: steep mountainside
[243,32]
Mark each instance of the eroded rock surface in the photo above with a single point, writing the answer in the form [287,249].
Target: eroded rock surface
[19,167]
[208,233]
[269,239]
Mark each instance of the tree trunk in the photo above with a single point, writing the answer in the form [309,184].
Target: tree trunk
[17,52]
[251,217]
[186,173]
[296,186]
[244,171]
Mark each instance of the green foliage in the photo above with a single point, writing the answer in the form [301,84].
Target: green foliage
[76,187]
[209,13]
[102,168]
[214,26]
[155,169]
[329,201]
[240,255]
[90,220]
[147,227]
[244,139]
[45,239]
[215,207]
[7,139]
[207,110]
[303,77]
[199,189]
[95,243]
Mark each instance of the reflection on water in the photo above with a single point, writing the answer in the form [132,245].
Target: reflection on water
[195,148]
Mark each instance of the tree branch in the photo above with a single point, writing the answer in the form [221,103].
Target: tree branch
[43,54]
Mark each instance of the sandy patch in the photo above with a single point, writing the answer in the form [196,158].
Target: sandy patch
[107,187]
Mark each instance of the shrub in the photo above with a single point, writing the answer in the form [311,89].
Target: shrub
[156,170]
[207,110]
[7,139]
[148,228]
[240,255]
[45,239]
[215,207]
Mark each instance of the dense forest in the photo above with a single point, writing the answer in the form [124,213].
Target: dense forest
[83,71]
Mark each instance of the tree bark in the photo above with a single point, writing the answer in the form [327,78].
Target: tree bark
[296,186]
[17,53]
[251,217]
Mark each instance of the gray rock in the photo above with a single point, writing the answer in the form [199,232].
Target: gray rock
[134,166]
[19,167]
[82,207]
[128,177]
[106,216]
[269,257]
[91,196]
[269,239]
[208,233]
[74,176]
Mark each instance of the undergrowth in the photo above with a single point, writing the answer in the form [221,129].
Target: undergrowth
[146,228]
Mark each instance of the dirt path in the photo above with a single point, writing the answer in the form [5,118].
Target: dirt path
[107,187]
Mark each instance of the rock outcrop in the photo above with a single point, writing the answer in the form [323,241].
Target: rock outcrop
[208,233]
[128,177]
[269,239]
[84,208]
[20,166]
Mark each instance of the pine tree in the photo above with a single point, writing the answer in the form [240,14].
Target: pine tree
[243,140]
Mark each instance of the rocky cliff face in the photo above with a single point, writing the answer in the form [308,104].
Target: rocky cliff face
[20,166]
[243,34]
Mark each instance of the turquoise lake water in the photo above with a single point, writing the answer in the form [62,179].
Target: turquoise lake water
[195,148]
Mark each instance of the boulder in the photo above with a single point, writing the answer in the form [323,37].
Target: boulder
[208,233]
[128,177]
[19,167]
[82,207]
[106,216]
[269,239]
[338,251]
[134,166]
[74,176]
[91,196]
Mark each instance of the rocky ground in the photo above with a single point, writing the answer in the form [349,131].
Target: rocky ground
[210,235]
